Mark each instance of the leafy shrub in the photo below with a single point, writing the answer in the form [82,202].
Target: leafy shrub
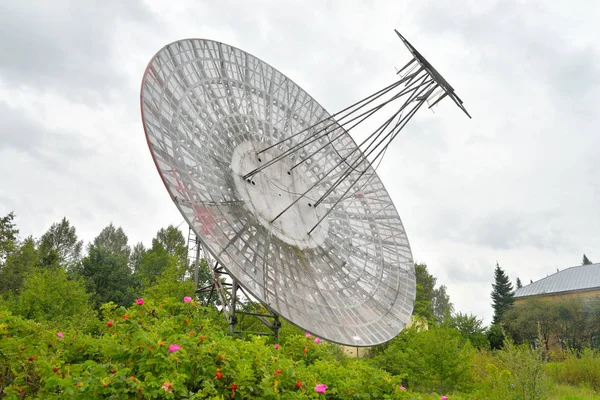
[174,349]
[169,286]
[429,360]
[578,369]
[48,294]
[515,372]
[527,370]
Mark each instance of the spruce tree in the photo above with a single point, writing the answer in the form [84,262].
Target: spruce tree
[502,294]
[586,261]
[519,284]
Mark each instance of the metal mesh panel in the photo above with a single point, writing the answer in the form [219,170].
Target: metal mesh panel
[208,108]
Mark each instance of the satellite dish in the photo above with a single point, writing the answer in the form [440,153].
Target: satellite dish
[279,193]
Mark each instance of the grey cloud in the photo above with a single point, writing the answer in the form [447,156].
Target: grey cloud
[522,38]
[64,46]
[467,271]
[500,186]
[503,230]
[53,149]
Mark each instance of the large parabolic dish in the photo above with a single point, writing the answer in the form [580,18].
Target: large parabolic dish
[343,270]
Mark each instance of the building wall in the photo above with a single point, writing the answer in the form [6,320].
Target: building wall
[585,296]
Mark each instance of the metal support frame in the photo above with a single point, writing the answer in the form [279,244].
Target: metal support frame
[228,293]
[193,245]
[419,83]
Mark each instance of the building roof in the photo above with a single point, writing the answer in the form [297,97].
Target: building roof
[580,278]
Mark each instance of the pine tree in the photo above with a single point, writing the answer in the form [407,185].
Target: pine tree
[502,294]
[586,261]
[519,284]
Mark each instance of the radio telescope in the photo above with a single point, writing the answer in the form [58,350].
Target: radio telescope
[281,197]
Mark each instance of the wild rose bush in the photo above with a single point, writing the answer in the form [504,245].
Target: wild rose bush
[175,349]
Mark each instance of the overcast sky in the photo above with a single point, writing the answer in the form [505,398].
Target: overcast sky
[518,184]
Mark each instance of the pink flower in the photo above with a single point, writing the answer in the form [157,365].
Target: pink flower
[402,388]
[307,334]
[321,388]
[60,334]
[444,398]
[168,387]
[140,301]
[317,340]
[187,299]
[174,347]
[277,346]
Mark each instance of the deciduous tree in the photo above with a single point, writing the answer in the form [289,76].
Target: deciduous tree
[60,245]
[106,269]
[51,295]
[19,265]
[424,298]
[470,327]
[114,241]
[8,236]
[173,241]
[136,257]
[442,306]
[108,277]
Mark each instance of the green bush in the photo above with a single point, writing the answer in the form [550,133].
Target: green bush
[578,369]
[429,360]
[527,376]
[174,350]
[515,372]
[48,294]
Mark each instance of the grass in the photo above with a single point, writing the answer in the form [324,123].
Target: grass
[566,392]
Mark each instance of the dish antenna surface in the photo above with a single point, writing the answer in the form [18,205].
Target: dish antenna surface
[278,192]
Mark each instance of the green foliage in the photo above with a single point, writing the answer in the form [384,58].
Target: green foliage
[154,262]
[19,264]
[566,392]
[424,298]
[431,360]
[131,357]
[172,240]
[60,245]
[579,368]
[442,307]
[515,372]
[124,353]
[586,260]
[170,285]
[108,277]
[502,294]
[49,295]
[204,278]
[527,378]
[136,257]
[470,327]
[431,303]
[495,336]
[114,242]
[524,321]
[574,321]
[8,236]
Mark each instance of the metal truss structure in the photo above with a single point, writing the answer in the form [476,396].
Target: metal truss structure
[228,293]
[278,191]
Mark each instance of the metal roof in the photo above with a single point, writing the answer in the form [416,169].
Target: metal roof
[582,277]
